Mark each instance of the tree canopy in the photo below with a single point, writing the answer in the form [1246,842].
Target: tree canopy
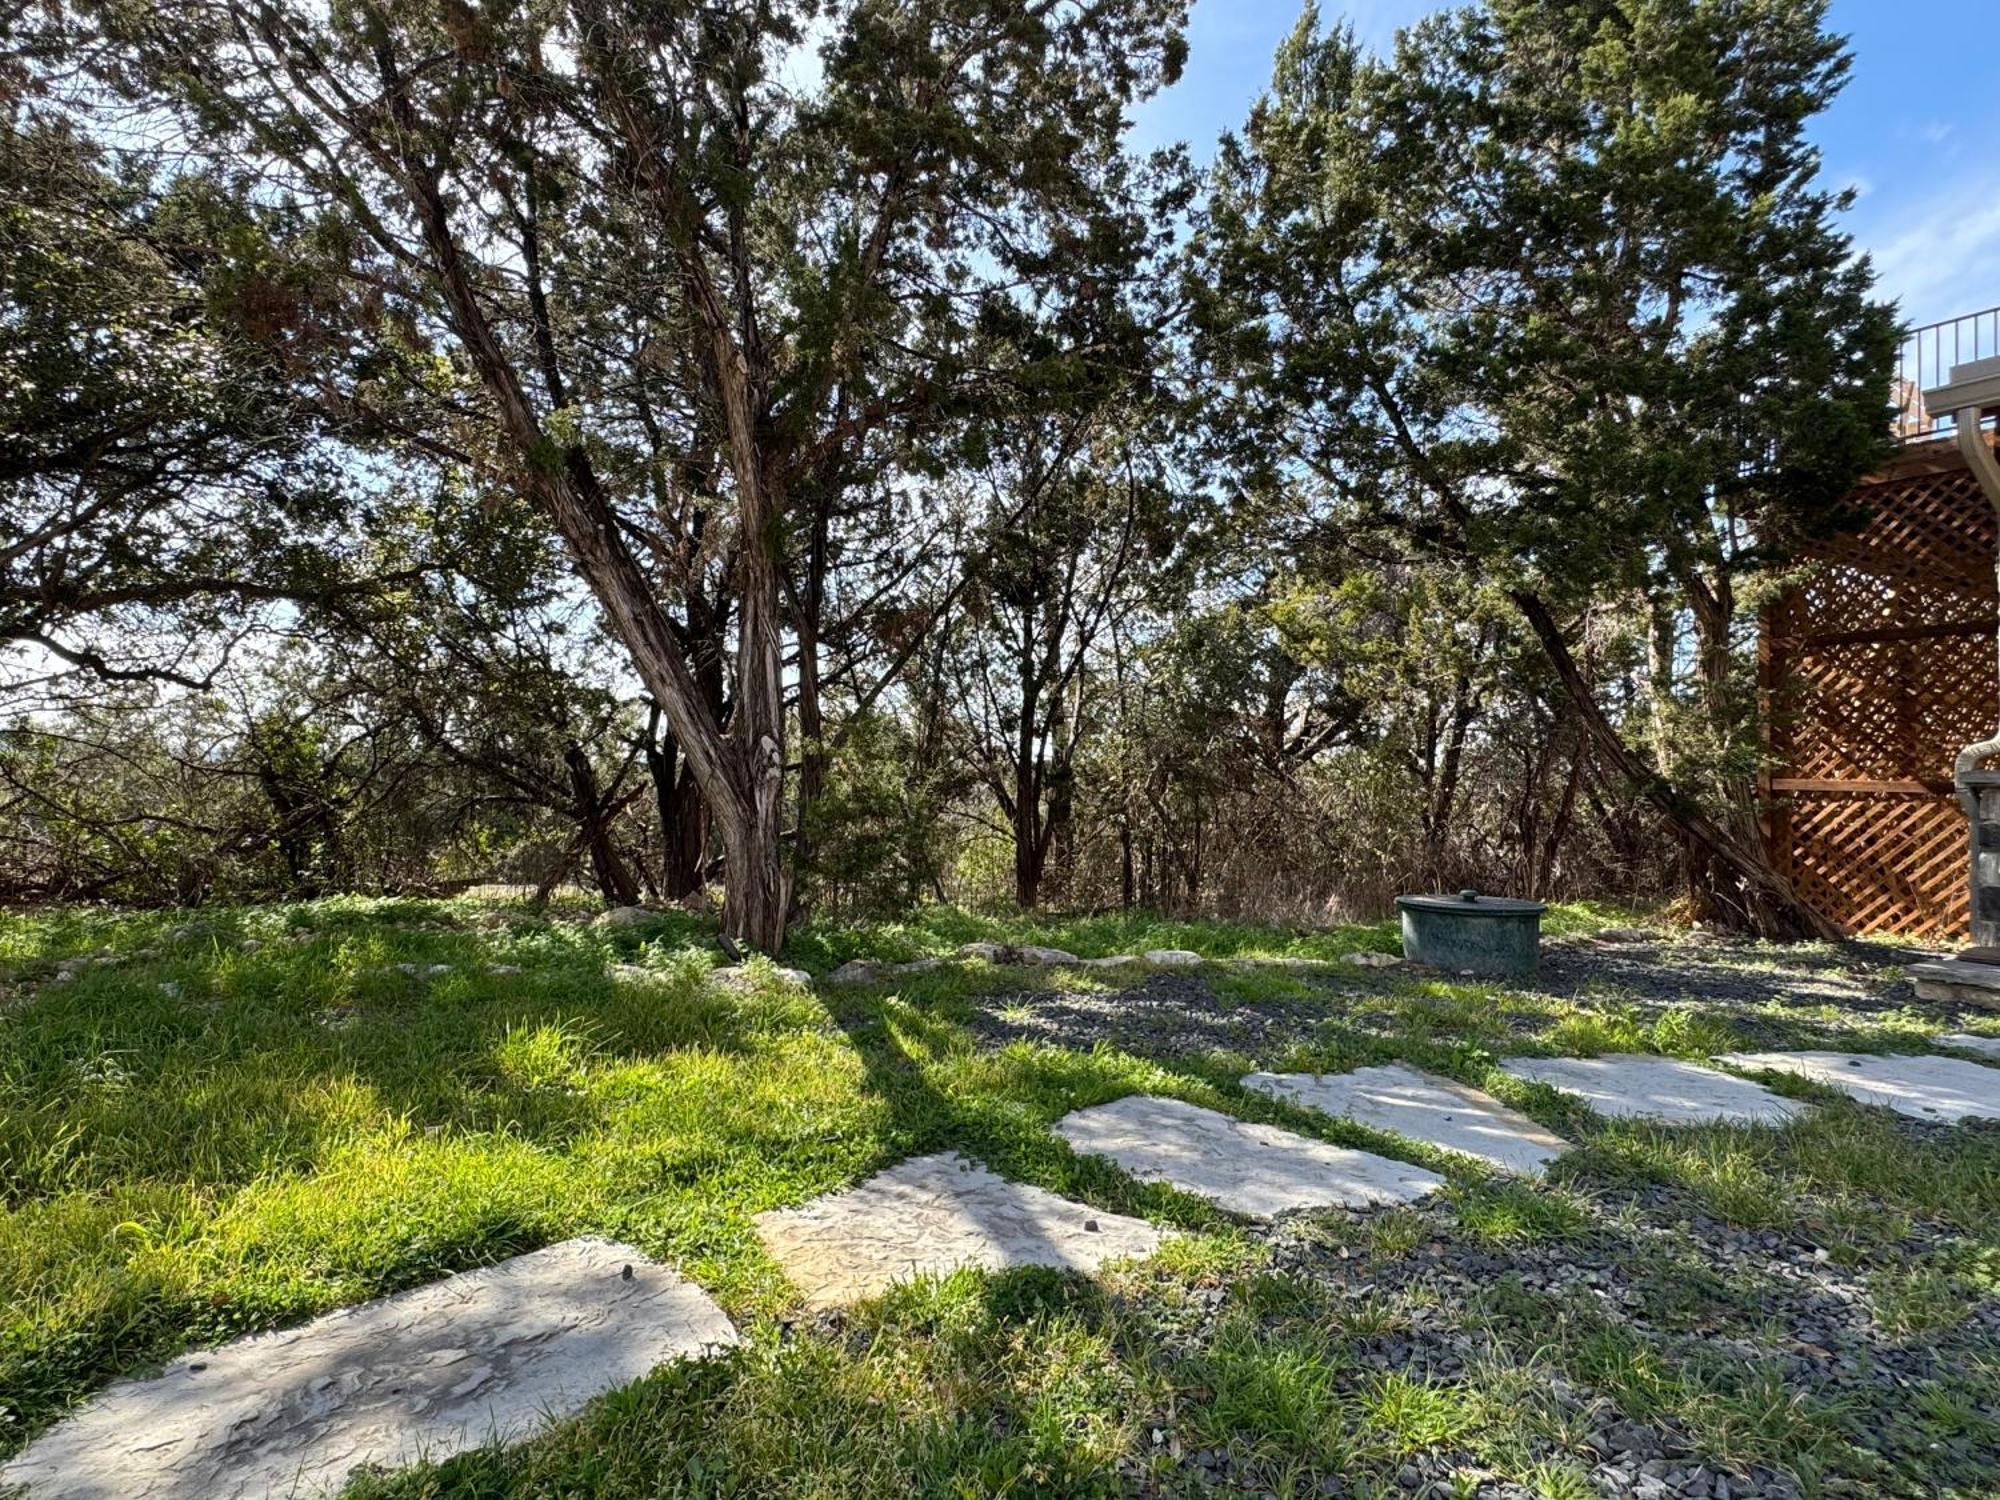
[756,442]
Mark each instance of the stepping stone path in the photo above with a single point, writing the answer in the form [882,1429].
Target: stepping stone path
[1940,1089]
[1019,955]
[1965,1041]
[1424,1107]
[932,1215]
[487,1355]
[1955,981]
[1255,1170]
[1635,1085]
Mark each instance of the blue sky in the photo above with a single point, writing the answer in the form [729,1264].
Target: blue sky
[1915,131]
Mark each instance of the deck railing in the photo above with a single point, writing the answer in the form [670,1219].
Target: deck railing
[1925,362]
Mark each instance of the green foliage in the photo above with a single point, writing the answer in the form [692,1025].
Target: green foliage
[152,489]
[876,844]
[1552,297]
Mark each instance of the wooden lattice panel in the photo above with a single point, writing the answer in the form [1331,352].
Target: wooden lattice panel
[1879,668]
[1887,710]
[1881,862]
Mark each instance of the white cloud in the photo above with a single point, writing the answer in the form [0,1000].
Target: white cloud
[1939,256]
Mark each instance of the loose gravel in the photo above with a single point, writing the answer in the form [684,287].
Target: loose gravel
[1730,972]
[1650,1264]
[1171,1013]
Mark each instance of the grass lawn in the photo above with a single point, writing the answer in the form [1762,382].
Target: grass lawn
[232,1121]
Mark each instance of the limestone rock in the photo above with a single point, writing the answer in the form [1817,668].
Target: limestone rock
[1956,982]
[1172,958]
[1939,1089]
[1256,1170]
[743,977]
[487,1355]
[860,971]
[1437,1111]
[1022,955]
[1633,1085]
[627,916]
[932,1215]
[1627,935]
[1965,1041]
[1034,957]
[875,970]
[1369,959]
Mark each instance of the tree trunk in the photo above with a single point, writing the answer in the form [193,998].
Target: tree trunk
[1660,646]
[1127,876]
[1767,904]
[814,759]
[741,772]
[594,814]
[756,887]
[1028,845]
[1542,875]
[682,813]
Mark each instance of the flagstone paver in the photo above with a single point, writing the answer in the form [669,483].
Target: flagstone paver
[1635,1085]
[1256,1170]
[488,1355]
[1942,1089]
[1966,1041]
[1437,1111]
[934,1214]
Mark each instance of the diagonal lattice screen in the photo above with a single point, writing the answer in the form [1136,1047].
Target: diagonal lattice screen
[1879,668]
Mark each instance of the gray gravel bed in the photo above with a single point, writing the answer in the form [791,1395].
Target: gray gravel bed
[1172,1013]
[1780,1305]
[1727,971]
[1700,1293]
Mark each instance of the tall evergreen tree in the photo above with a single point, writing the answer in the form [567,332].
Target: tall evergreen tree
[677,273]
[1554,294]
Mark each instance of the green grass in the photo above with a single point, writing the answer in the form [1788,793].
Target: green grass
[231,1121]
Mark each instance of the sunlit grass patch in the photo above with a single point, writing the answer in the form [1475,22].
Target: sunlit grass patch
[1436,1009]
[1733,1172]
[298,1123]
[1282,1396]
[1908,1304]
[1594,1033]
[1411,1415]
[1505,1210]
[1396,1232]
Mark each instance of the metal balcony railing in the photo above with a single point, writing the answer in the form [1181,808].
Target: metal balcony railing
[1925,362]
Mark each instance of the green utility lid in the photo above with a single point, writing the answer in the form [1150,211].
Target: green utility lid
[1472,904]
